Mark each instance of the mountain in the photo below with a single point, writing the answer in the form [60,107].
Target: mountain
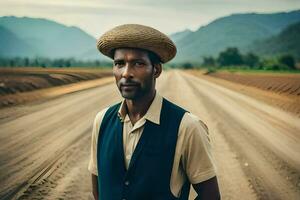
[179,35]
[286,42]
[33,37]
[237,30]
[45,38]
[12,45]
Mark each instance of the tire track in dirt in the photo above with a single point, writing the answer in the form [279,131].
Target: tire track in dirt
[232,179]
[69,178]
[271,175]
[48,134]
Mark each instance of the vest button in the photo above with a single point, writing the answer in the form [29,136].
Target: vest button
[127,183]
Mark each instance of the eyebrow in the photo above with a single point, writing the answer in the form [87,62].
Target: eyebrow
[118,60]
[132,60]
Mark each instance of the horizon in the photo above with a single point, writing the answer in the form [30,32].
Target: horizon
[86,14]
[168,34]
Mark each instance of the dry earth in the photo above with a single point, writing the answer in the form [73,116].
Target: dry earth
[288,84]
[44,146]
[19,85]
[279,90]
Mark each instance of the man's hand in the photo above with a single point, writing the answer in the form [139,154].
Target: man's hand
[207,190]
[95,186]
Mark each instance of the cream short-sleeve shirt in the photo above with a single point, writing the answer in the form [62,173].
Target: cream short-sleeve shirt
[193,159]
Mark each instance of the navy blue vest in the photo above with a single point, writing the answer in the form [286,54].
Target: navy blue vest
[149,173]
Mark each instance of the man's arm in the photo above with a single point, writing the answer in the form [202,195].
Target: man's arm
[95,186]
[93,160]
[207,190]
[197,159]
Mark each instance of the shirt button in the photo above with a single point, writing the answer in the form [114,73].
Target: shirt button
[127,183]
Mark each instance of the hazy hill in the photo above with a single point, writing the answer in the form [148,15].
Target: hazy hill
[33,37]
[11,45]
[287,42]
[238,30]
[179,35]
[46,38]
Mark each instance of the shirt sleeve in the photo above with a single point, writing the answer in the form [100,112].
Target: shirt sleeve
[92,167]
[197,159]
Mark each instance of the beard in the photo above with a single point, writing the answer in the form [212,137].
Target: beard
[133,90]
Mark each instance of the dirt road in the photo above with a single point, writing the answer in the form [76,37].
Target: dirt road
[44,147]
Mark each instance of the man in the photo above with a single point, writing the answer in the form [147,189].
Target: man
[147,147]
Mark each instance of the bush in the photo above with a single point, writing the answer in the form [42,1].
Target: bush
[231,56]
[272,64]
[187,65]
[210,71]
[251,59]
[208,61]
[288,60]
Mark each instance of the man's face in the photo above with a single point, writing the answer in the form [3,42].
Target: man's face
[135,75]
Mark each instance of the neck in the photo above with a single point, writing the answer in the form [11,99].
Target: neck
[137,108]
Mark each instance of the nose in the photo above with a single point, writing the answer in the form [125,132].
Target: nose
[127,71]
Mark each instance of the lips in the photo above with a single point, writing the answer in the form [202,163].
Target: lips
[129,85]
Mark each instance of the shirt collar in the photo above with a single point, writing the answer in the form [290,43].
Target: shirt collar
[152,114]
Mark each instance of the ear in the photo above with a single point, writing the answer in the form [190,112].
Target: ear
[157,70]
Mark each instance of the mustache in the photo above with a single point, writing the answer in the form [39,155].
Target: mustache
[123,82]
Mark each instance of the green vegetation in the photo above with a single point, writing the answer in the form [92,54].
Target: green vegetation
[46,63]
[209,61]
[232,58]
[287,42]
[250,59]
[288,61]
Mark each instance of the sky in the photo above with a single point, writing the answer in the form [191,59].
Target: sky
[169,16]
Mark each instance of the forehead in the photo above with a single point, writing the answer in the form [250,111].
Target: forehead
[130,53]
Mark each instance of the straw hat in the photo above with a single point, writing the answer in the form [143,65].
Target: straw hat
[137,36]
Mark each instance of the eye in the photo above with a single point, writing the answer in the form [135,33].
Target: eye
[118,64]
[139,63]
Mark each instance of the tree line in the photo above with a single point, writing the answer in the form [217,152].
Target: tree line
[231,57]
[46,62]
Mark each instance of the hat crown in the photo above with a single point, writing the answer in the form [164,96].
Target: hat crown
[137,36]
